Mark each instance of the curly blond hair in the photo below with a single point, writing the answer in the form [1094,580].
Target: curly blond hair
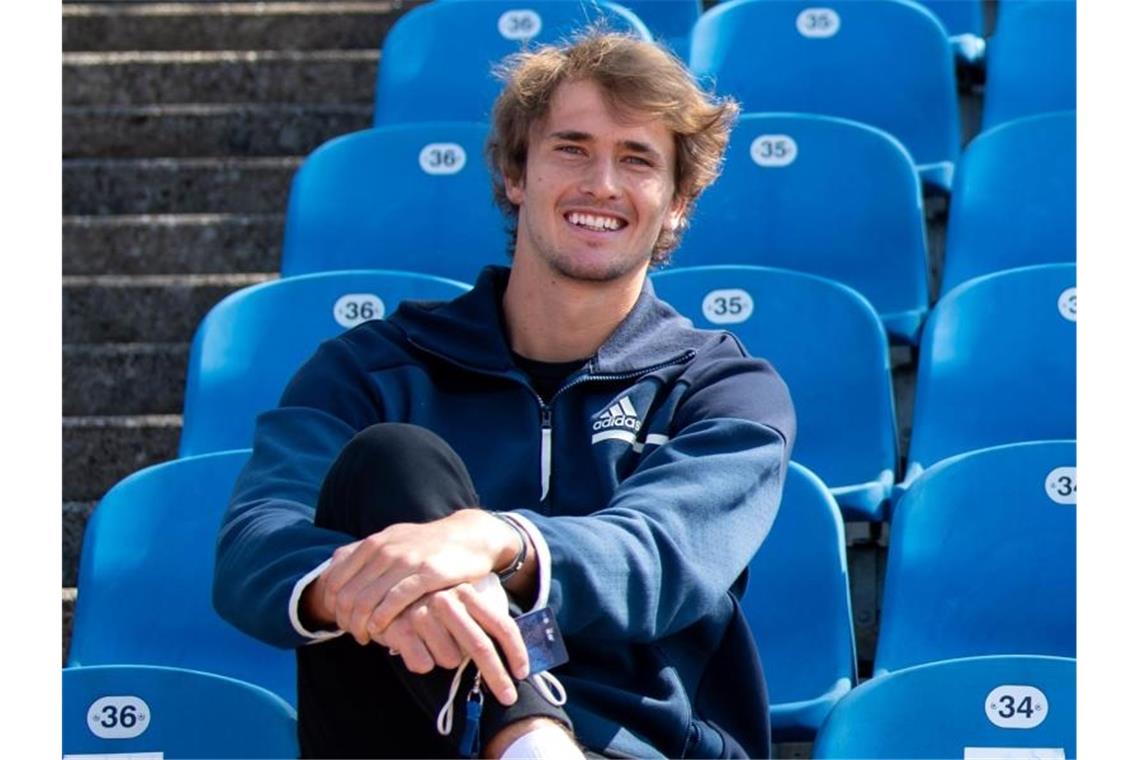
[635,75]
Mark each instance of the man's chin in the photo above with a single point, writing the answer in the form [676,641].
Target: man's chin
[596,271]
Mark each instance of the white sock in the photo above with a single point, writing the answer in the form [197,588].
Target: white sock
[543,743]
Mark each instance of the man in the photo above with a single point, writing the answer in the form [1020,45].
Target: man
[557,433]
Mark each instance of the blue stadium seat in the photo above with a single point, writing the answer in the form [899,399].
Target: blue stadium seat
[971,707]
[886,63]
[669,21]
[249,345]
[437,59]
[958,16]
[1031,61]
[820,195]
[997,365]
[1015,199]
[415,197]
[982,558]
[146,577]
[829,347]
[799,608]
[129,711]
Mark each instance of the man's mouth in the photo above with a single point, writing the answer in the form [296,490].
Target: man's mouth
[595,222]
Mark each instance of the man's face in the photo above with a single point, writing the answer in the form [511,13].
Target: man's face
[598,187]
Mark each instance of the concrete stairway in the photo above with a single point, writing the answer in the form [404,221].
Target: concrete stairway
[182,126]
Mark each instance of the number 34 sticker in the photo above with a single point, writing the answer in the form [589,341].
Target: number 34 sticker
[1016,707]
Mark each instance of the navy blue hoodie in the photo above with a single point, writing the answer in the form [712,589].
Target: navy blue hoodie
[653,475]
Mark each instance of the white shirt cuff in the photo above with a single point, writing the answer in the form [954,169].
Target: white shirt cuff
[295,603]
[542,557]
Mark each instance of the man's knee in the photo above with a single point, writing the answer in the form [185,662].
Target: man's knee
[393,472]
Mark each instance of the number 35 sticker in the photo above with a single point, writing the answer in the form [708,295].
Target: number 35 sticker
[118,717]
[1016,707]
[1061,485]
[726,307]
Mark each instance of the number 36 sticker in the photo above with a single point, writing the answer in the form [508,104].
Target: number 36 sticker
[726,307]
[354,308]
[118,717]
[1016,707]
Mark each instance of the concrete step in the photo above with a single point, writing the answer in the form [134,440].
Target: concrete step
[177,185]
[143,308]
[199,130]
[228,26]
[222,76]
[172,244]
[68,615]
[98,452]
[124,378]
[75,516]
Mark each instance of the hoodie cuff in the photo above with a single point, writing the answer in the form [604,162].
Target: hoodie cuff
[295,603]
[542,557]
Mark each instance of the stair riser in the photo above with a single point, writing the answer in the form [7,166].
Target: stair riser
[129,133]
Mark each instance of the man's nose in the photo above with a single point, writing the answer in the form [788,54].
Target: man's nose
[600,179]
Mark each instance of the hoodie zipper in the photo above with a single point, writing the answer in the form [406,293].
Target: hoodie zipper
[546,411]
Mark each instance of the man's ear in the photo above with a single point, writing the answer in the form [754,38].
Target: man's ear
[676,215]
[514,189]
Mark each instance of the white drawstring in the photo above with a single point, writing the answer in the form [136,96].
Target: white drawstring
[545,683]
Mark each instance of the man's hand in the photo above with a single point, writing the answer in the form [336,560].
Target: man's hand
[371,581]
[464,621]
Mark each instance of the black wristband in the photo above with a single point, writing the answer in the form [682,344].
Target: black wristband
[520,558]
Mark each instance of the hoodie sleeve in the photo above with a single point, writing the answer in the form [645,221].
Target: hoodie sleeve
[682,528]
[267,541]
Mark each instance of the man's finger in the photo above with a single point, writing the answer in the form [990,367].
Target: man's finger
[435,636]
[402,594]
[475,644]
[499,627]
[402,638]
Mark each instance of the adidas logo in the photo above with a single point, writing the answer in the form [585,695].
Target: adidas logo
[620,415]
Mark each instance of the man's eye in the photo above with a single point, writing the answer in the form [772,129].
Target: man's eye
[571,149]
[638,160]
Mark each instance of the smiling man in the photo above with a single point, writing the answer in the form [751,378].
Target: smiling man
[557,441]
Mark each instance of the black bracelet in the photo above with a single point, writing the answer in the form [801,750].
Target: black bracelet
[520,558]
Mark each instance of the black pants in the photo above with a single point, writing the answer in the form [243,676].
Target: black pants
[360,701]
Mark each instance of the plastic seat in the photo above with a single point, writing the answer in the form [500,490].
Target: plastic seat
[982,558]
[958,16]
[1015,199]
[829,347]
[146,577]
[820,195]
[997,365]
[887,63]
[252,342]
[415,197]
[669,21]
[437,59]
[799,608]
[971,707]
[129,711]
[1031,61]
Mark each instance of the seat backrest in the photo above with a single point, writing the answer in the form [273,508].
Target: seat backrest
[972,707]
[415,197]
[1015,199]
[820,195]
[958,16]
[799,607]
[131,710]
[1031,61]
[997,364]
[670,22]
[886,63]
[146,576]
[829,347]
[437,59]
[251,343]
[982,558]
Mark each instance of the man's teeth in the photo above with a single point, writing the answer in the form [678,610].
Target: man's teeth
[594,222]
